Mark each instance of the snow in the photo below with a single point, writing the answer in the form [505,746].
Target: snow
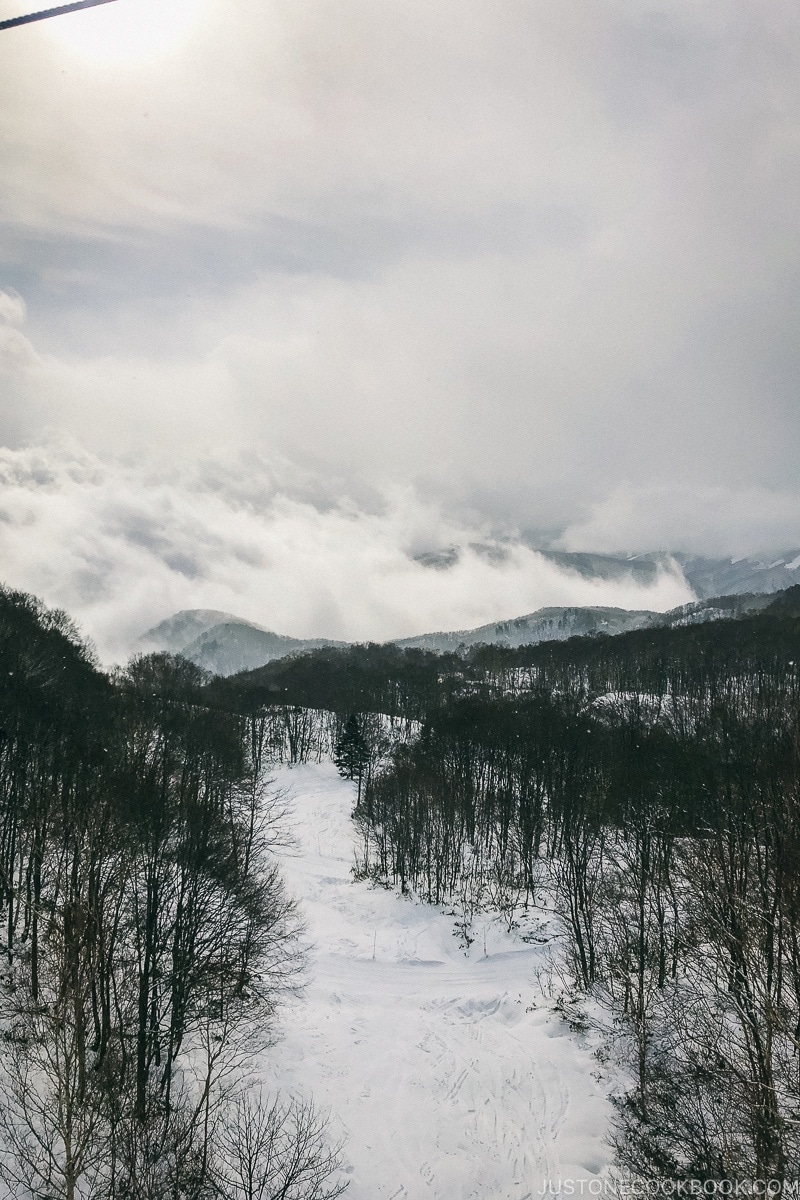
[446,1072]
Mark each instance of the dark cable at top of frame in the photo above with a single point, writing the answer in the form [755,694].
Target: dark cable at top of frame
[52,12]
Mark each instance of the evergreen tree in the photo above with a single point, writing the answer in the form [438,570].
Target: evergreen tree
[352,752]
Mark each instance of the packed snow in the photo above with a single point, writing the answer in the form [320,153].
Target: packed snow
[445,1070]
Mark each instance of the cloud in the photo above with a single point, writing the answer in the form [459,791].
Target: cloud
[534,268]
[122,548]
[705,520]
[453,378]
[12,308]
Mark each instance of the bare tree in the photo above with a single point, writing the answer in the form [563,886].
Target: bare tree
[274,1150]
[53,1132]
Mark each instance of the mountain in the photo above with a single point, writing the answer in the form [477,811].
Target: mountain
[717,608]
[235,646]
[558,624]
[786,603]
[544,625]
[641,568]
[224,644]
[232,645]
[709,577]
[178,631]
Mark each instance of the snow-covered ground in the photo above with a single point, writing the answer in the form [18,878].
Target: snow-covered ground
[446,1072]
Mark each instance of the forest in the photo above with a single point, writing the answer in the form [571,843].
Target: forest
[147,937]
[643,788]
[647,786]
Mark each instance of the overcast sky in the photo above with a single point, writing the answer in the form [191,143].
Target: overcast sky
[292,292]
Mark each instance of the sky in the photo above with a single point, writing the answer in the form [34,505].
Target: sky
[293,293]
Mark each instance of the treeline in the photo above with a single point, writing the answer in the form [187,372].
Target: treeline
[146,934]
[650,783]
[681,661]
[410,684]
[398,683]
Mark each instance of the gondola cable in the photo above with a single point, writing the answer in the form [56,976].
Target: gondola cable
[52,12]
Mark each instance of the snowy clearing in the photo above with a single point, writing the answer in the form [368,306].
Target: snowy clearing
[445,1071]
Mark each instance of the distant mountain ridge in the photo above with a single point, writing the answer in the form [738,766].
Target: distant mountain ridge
[222,643]
[236,646]
[558,624]
[181,629]
[544,625]
[709,577]
[225,644]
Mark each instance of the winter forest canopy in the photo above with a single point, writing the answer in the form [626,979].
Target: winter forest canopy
[147,934]
[647,785]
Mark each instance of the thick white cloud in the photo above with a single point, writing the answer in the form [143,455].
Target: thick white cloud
[12,308]
[533,263]
[705,520]
[121,548]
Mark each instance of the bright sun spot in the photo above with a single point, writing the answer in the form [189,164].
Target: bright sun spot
[127,32]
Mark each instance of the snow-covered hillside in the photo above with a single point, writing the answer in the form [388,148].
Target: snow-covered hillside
[544,625]
[222,643]
[446,1072]
[225,644]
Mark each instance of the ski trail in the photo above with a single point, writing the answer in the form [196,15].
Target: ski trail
[444,1080]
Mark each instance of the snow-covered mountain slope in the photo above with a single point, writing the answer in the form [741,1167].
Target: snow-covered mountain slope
[223,643]
[445,1070]
[236,646]
[558,624]
[726,577]
[717,608]
[181,629]
[230,644]
[544,625]
[706,576]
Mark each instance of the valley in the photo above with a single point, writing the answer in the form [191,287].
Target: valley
[445,1070]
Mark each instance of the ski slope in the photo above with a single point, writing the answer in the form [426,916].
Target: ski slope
[445,1071]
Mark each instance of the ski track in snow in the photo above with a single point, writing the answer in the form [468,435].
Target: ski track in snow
[444,1072]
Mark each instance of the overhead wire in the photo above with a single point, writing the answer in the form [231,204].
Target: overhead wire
[52,12]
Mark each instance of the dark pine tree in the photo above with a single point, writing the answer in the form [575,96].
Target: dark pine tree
[352,752]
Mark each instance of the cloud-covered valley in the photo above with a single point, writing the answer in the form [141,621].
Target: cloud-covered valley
[121,549]
[317,289]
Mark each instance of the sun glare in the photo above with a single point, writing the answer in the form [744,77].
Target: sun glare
[127,32]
